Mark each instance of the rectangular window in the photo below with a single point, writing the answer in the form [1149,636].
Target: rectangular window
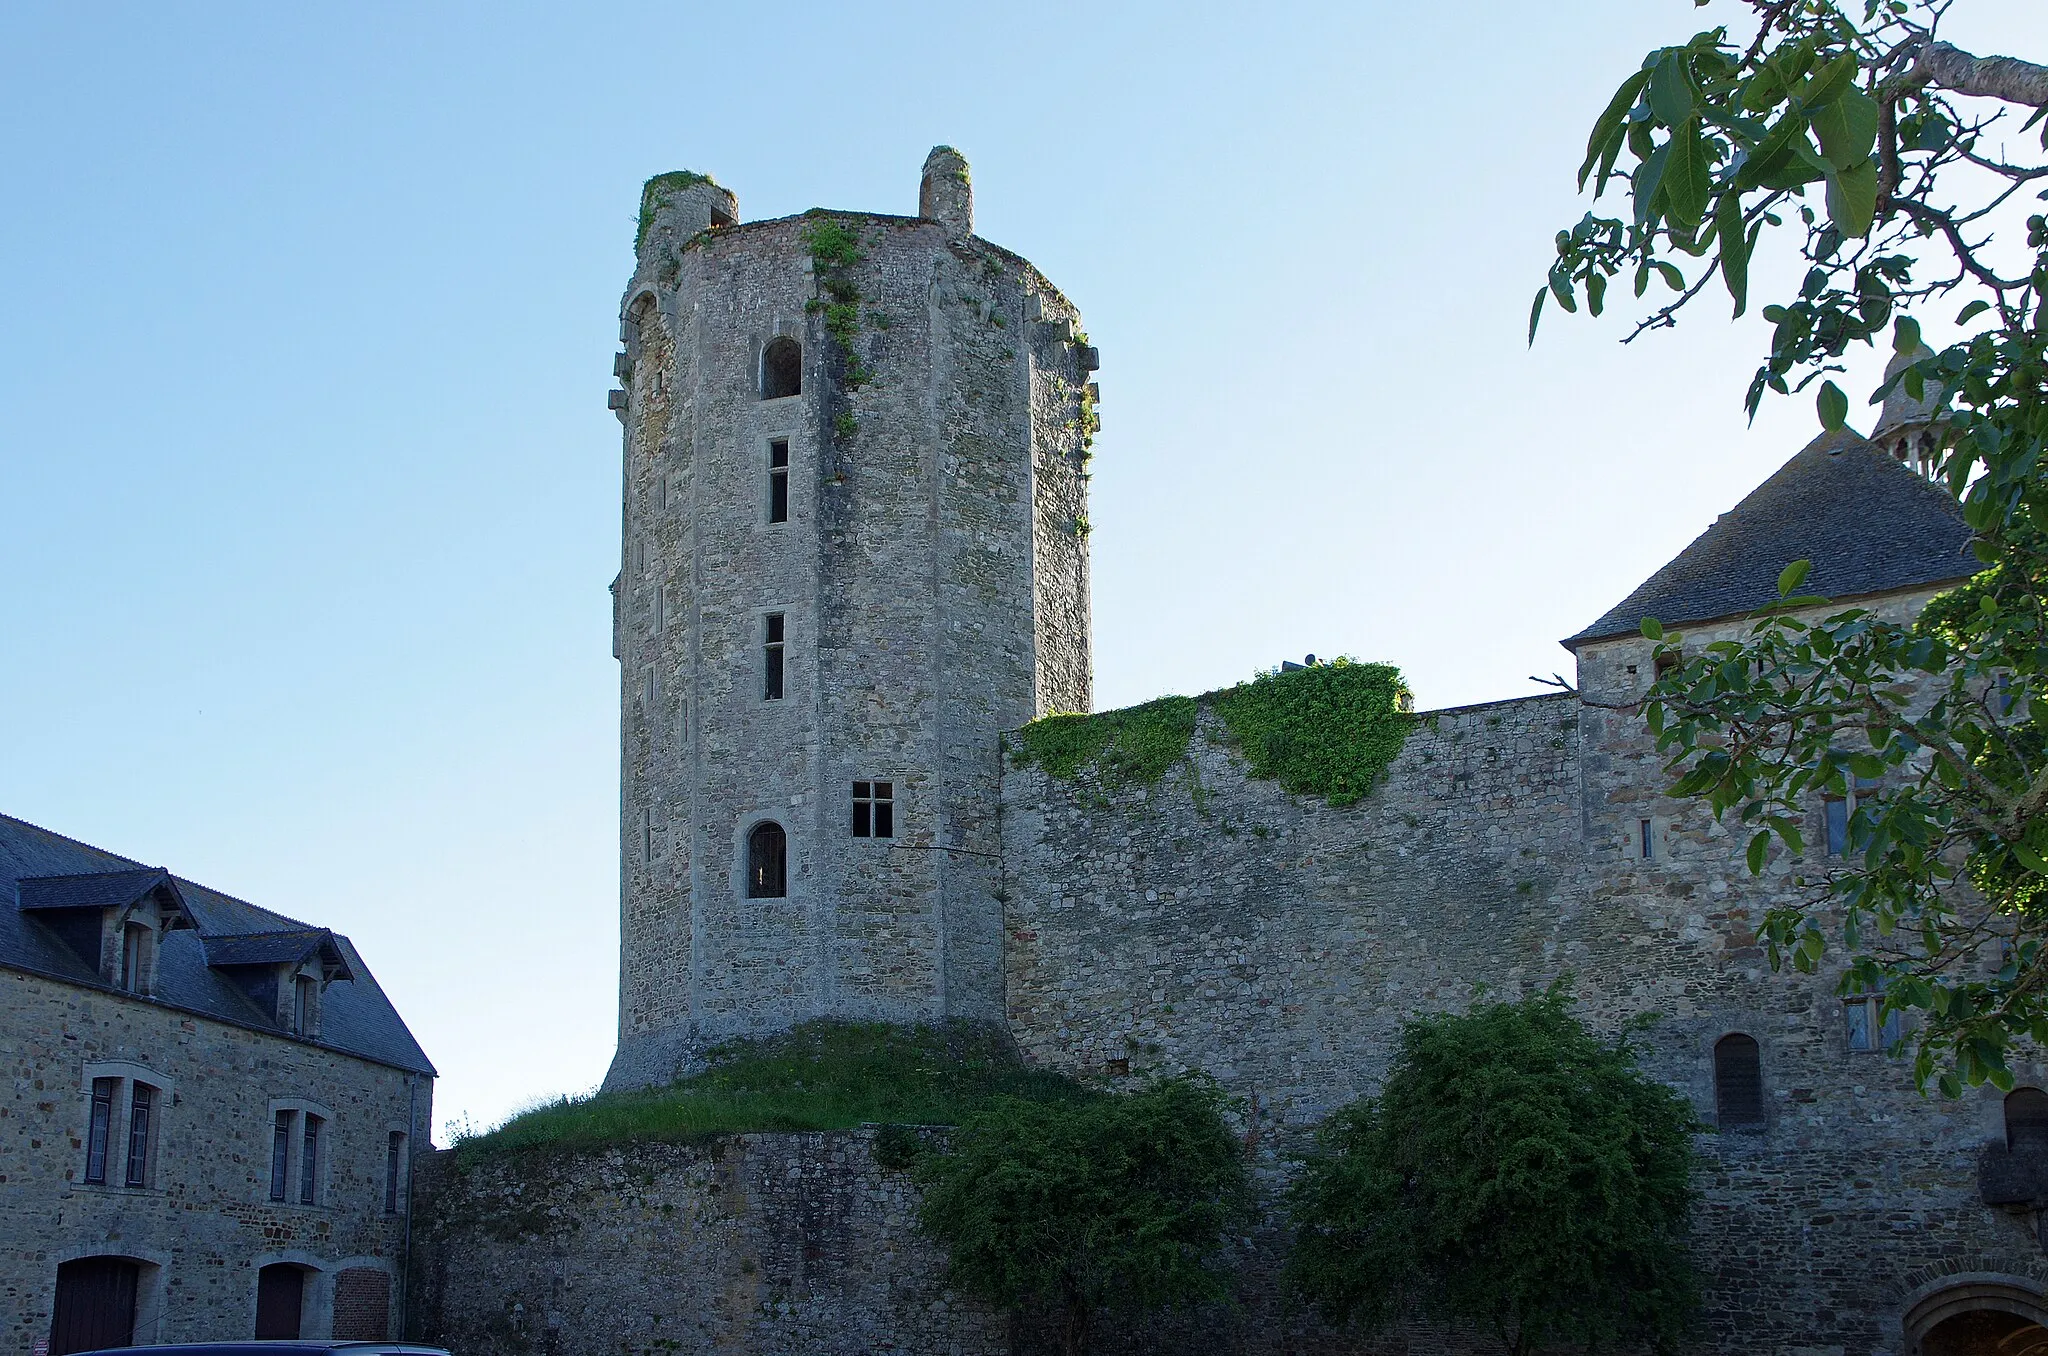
[139,1106]
[771,658]
[1836,812]
[134,937]
[778,481]
[660,609]
[1646,840]
[394,1161]
[647,689]
[303,997]
[280,1153]
[102,1126]
[874,809]
[1868,1026]
[309,1163]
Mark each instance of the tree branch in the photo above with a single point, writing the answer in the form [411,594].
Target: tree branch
[2004,78]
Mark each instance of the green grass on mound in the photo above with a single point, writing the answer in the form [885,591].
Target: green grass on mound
[819,1076]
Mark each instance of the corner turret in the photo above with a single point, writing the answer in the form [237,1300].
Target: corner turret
[946,192]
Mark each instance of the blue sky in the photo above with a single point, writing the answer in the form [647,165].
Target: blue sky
[310,492]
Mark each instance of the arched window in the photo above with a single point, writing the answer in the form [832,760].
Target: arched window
[1738,1083]
[782,369]
[767,862]
[2026,1118]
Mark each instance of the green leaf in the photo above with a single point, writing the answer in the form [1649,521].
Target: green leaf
[1652,628]
[1833,405]
[1536,313]
[1671,89]
[1847,128]
[1972,311]
[1649,177]
[1687,178]
[1673,279]
[2030,859]
[1759,849]
[1793,575]
[1734,247]
[1608,130]
[1596,291]
[1852,199]
[1905,334]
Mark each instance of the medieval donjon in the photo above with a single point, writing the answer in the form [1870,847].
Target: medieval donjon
[855,556]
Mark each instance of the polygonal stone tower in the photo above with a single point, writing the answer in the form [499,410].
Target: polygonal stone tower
[855,554]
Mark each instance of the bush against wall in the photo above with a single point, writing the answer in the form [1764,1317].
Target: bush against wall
[1117,1203]
[1515,1173]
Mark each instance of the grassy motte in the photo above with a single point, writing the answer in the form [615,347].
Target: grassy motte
[819,1076]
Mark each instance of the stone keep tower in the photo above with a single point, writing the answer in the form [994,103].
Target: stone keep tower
[855,553]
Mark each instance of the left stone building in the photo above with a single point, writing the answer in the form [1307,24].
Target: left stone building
[213,1114]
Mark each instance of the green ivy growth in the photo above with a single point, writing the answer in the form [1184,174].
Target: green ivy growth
[835,249]
[1136,744]
[1329,729]
[657,192]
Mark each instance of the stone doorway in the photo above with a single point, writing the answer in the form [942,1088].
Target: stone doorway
[1979,1318]
[95,1304]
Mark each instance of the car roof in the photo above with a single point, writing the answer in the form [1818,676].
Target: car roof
[275,1348]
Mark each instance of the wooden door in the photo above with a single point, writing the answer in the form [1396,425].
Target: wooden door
[95,1305]
[280,1294]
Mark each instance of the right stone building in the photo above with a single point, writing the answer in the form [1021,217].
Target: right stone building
[1213,921]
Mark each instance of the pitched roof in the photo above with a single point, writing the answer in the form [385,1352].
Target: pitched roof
[355,1016]
[94,889]
[1868,524]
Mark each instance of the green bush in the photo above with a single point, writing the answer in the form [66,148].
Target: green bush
[1515,1174]
[818,1076]
[1328,729]
[1136,744]
[1074,1207]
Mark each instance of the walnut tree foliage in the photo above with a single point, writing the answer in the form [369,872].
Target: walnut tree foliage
[1514,1173]
[1903,177]
[1114,1204]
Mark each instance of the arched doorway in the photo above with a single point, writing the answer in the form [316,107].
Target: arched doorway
[95,1304]
[1979,1318]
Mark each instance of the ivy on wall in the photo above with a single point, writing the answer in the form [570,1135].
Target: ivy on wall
[1329,729]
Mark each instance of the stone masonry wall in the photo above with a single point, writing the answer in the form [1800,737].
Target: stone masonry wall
[785,1243]
[204,1223]
[932,581]
[1215,922]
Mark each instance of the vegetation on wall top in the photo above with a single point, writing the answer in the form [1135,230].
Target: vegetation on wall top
[821,1075]
[656,194]
[1329,729]
[835,248]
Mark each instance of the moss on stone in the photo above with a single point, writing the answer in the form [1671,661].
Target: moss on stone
[657,192]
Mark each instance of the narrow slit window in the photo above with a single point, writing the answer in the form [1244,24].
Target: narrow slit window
[778,481]
[660,609]
[280,1153]
[1646,839]
[646,833]
[101,1128]
[304,995]
[309,1163]
[874,809]
[394,1162]
[767,862]
[771,658]
[140,1104]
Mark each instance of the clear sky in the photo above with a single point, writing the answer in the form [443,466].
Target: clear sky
[309,495]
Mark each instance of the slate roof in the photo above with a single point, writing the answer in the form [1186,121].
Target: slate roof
[1868,523]
[96,890]
[355,1016]
[289,947]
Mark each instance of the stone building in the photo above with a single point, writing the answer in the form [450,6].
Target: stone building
[213,1116]
[855,555]
[855,551]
